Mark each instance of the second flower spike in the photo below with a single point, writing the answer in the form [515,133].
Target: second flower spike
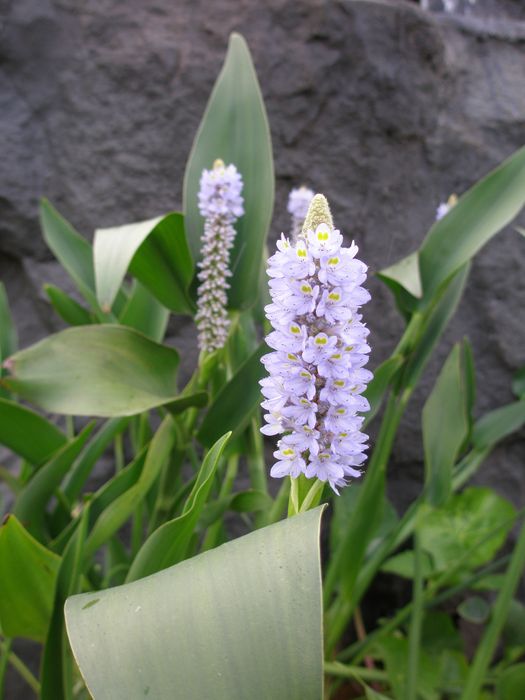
[221,204]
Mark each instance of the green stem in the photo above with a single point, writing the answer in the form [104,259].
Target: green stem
[213,533]
[313,497]
[70,427]
[414,639]
[489,641]
[371,498]
[279,505]
[166,495]
[293,500]
[256,461]
[3,664]
[137,529]
[334,668]
[358,650]
[118,444]
[17,663]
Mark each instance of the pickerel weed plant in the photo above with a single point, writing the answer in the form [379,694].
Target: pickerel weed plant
[138,588]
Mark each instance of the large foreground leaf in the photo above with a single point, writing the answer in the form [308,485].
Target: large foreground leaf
[95,371]
[240,621]
[235,129]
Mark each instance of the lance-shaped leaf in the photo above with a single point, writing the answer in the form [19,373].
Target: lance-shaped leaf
[70,249]
[144,313]
[240,621]
[446,423]
[479,214]
[95,371]
[235,128]
[67,308]
[169,543]
[31,503]
[27,582]
[8,338]
[28,434]
[119,510]
[154,251]
[455,239]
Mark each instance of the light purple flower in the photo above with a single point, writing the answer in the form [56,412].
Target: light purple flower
[314,392]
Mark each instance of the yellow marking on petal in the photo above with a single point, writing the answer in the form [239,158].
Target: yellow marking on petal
[333,261]
[321,341]
[301,253]
[339,382]
[349,348]
[305,374]
[295,329]
[289,452]
[292,357]
[334,296]
[306,289]
[337,356]
[341,411]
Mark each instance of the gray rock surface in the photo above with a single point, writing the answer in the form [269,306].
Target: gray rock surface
[384,107]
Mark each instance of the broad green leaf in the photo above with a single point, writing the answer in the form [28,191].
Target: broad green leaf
[479,214]
[96,370]
[144,313]
[476,520]
[8,337]
[439,634]
[57,661]
[394,652]
[474,609]
[154,251]
[70,249]
[514,627]
[497,424]
[119,510]
[377,388]
[445,426]
[67,308]
[235,129]
[518,383]
[27,583]
[233,406]
[511,683]
[239,621]
[31,504]
[436,319]
[403,565]
[169,544]
[18,423]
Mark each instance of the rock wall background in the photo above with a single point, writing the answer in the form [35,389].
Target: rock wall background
[383,106]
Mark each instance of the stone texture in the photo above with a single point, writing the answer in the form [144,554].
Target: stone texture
[384,107]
